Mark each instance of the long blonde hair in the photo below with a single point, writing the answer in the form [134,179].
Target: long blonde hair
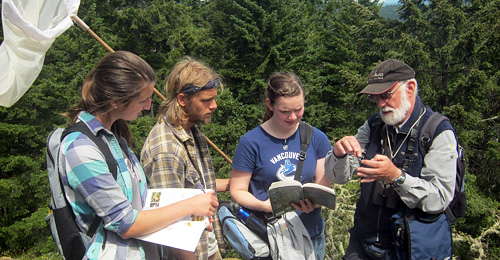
[187,71]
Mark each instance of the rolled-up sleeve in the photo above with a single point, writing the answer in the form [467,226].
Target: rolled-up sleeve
[341,170]
[95,187]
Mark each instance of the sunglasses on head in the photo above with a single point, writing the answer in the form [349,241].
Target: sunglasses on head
[190,89]
[386,95]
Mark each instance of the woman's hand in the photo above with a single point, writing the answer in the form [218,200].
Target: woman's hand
[305,206]
[267,206]
[203,204]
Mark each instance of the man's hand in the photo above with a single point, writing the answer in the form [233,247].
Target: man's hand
[347,144]
[379,168]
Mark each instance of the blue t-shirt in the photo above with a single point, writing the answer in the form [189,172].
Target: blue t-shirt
[270,159]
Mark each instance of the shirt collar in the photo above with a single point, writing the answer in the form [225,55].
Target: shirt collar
[92,122]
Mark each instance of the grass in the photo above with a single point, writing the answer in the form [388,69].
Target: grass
[48,256]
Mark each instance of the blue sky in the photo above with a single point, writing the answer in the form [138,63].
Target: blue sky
[389,2]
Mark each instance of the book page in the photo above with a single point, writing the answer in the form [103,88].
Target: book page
[282,194]
[285,183]
[184,233]
[319,194]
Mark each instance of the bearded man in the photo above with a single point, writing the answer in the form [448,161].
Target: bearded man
[403,193]
[176,155]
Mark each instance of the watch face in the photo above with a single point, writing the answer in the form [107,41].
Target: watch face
[400,180]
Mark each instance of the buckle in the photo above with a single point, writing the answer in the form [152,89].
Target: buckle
[302,156]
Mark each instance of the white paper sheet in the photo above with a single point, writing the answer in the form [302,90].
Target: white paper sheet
[183,234]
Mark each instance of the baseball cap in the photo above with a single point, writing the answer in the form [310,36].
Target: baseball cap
[385,75]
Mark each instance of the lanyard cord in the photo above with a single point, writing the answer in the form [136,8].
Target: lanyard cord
[408,134]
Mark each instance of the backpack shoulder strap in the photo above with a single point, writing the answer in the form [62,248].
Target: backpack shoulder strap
[428,131]
[306,134]
[58,199]
[103,147]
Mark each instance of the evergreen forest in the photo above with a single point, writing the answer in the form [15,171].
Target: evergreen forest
[332,45]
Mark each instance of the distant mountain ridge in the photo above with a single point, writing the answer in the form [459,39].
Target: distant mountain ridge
[390,11]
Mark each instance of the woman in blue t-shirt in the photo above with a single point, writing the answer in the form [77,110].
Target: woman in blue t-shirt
[269,153]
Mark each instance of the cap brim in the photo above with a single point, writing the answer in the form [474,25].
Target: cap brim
[377,88]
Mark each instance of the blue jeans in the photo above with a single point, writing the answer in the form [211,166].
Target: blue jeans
[319,246]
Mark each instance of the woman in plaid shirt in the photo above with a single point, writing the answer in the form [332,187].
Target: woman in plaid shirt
[116,91]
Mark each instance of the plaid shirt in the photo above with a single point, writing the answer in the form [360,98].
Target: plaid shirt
[167,164]
[91,189]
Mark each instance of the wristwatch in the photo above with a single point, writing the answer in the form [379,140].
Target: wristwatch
[401,179]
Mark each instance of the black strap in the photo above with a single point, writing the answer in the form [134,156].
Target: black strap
[306,134]
[425,138]
[428,131]
[414,134]
[103,147]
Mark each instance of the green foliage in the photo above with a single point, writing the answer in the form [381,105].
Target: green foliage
[332,46]
[141,128]
[339,221]
[231,121]
[23,193]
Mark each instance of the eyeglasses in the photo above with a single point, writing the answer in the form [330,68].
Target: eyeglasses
[386,95]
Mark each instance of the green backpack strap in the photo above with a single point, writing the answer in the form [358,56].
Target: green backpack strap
[306,134]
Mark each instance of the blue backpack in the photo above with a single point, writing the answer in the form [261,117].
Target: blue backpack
[237,224]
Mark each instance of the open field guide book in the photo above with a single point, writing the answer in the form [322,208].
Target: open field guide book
[283,193]
[184,233]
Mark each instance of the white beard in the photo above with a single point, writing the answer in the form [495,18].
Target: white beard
[398,115]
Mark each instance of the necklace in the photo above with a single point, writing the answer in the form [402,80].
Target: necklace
[404,140]
[268,127]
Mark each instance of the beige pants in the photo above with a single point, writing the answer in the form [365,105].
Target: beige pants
[216,256]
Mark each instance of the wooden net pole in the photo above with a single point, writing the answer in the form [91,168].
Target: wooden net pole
[86,28]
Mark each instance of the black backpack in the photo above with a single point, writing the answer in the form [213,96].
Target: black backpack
[425,135]
[458,205]
[71,241]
